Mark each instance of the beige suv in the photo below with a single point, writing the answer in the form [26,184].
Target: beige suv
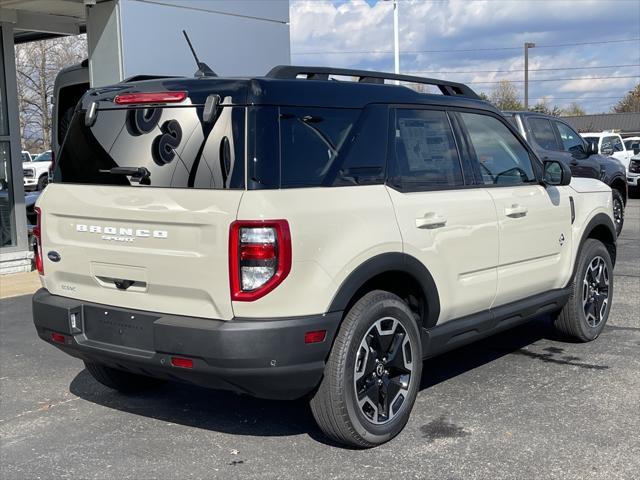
[295,235]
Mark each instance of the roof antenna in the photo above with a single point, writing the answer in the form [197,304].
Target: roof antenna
[203,69]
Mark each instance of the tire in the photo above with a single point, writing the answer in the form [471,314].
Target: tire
[43,181]
[618,210]
[382,321]
[119,379]
[573,320]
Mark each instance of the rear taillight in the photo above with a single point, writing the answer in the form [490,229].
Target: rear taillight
[37,247]
[150,97]
[259,257]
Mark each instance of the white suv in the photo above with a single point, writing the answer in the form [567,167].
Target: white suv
[290,235]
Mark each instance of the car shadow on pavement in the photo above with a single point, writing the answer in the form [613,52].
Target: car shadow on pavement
[227,412]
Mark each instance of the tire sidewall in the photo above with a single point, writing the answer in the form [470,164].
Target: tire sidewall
[395,308]
[592,249]
[617,197]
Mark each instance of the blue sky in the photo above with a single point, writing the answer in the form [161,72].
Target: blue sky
[478,41]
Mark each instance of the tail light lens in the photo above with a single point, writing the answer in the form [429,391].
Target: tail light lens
[37,248]
[259,257]
[150,97]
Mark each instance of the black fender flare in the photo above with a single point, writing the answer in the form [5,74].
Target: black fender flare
[390,262]
[600,219]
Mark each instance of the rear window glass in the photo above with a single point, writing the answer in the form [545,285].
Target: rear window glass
[311,140]
[175,147]
[293,147]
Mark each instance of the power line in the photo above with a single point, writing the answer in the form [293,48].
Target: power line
[408,52]
[521,70]
[557,79]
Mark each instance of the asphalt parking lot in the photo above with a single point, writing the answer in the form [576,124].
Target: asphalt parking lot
[523,404]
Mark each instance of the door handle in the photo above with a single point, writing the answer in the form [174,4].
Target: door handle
[431,220]
[516,211]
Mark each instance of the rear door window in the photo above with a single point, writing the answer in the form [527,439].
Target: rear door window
[173,144]
[543,133]
[423,151]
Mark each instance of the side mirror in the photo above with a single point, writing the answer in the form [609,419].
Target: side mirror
[556,173]
[592,148]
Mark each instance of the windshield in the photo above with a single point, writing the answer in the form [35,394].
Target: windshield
[157,147]
[43,157]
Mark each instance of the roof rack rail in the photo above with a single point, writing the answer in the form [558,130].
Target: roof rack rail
[292,72]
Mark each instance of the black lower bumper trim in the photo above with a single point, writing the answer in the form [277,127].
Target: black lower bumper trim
[265,358]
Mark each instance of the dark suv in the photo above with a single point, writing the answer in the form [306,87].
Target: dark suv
[553,139]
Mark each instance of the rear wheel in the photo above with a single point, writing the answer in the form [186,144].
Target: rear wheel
[373,373]
[618,210]
[119,379]
[584,316]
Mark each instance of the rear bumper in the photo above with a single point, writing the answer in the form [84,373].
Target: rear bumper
[265,358]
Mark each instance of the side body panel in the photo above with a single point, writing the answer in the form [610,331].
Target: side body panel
[535,239]
[462,253]
[333,231]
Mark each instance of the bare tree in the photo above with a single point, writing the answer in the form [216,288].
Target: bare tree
[505,96]
[37,64]
[573,110]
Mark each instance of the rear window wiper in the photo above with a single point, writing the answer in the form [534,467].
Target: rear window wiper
[139,174]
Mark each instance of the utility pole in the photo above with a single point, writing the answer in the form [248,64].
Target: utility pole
[396,42]
[527,46]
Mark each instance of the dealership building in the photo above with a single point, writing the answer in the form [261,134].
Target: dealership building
[126,38]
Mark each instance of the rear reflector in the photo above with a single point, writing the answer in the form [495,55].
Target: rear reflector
[317,336]
[58,337]
[152,97]
[181,362]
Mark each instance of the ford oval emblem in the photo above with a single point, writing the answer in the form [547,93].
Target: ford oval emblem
[53,256]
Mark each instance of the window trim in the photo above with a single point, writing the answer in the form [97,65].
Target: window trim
[536,163]
[467,177]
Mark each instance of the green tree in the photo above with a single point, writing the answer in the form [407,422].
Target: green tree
[505,96]
[630,102]
[544,107]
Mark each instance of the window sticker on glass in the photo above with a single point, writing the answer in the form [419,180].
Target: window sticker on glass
[424,142]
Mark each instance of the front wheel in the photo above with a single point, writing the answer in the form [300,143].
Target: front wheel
[585,314]
[618,210]
[373,373]
[43,181]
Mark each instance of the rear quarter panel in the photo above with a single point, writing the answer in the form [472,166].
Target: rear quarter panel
[333,231]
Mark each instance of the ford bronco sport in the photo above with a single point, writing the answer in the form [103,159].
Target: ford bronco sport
[294,235]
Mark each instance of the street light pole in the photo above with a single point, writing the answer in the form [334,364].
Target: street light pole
[396,42]
[527,46]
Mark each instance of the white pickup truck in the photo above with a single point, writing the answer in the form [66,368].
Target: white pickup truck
[611,144]
[36,172]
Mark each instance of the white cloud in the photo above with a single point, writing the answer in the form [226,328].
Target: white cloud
[356,26]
